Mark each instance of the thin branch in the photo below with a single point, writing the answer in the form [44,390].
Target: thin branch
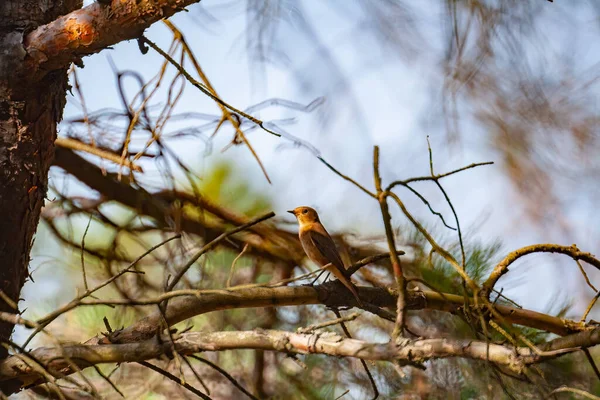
[8,300]
[204,89]
[338,320]
[429,178]
[580,392]
[73,144]
[439,185]
[87,227]
[391,241]
[370,260]
[226,375]
[198,377]
[233,120]
[212,244]
[589,307]
[174,379]
[347,178]
[424,200]
[439,249]
[587,280]
[235,260]
[342,395]
[107,379]
[363,362]
[590,359]
[43,322]
[502,267]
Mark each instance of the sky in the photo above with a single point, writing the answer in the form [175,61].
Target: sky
[388,103]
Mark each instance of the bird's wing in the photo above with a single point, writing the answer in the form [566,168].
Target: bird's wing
[325,244]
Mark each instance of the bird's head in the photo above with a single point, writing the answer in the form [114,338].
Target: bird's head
[305,215]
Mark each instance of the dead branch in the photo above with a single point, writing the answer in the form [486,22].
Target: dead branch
[515,359]
[502,267]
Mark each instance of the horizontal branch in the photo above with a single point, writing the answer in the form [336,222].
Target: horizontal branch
[188,304]
[140,338]
[91,29]
[55,359]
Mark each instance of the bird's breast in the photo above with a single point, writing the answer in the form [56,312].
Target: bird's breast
[311,250]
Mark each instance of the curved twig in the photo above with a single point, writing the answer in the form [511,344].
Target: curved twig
[502,267]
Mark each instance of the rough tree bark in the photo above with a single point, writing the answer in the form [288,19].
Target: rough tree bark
[36,49]
[29,113]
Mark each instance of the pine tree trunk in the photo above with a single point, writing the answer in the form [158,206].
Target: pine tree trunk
[29,113]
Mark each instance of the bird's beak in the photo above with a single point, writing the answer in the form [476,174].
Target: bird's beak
[291,212]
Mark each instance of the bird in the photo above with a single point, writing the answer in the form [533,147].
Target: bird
[319,246]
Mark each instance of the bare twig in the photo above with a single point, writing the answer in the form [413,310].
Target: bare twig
[589,307]
[212,244]
[587,280]
[424,200]
[580,392]
[440,176]
[204,89]
[107,379]
[198,377]
[370,260]
[439,249]
[439,185]
[363,362]
[73,144]
[232,269]
[347,178]
[502,267]
[87,227]
[391,241]
[590,359]
[174,379]
[43,322]
[338,320]
[343,394]
[226,375]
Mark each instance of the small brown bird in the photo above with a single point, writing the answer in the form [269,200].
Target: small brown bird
[319,246]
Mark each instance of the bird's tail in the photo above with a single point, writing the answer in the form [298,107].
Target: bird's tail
[341,276]
[348,283]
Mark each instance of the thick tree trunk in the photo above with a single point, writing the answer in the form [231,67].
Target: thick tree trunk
[29,113]
[33,83]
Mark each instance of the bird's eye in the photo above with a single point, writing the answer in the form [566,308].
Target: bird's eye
[305,211]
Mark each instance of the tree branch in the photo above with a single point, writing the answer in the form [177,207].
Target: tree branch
[54,359]
[502,267]
[92,29]
[285,248]
[189,303]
